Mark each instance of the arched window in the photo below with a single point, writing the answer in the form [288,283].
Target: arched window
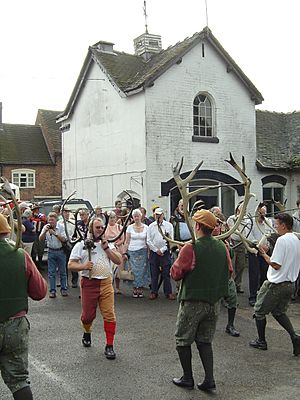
[203,118]
[273,189]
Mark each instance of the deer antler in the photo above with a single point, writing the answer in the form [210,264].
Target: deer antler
[280,206]
[247,183]
[7,189]
[186,195]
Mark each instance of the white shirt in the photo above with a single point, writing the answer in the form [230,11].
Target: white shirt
[138,240]
[243,227]
[155,240]
[257,231]
[52,241]
[287,254]
[102,268]
[70,227]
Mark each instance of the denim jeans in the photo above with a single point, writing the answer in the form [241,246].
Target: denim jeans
[57,261]
[163,262]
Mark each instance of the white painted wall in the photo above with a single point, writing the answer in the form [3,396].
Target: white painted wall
[169,111]
[104,150]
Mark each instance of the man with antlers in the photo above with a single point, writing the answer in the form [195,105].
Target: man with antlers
[93,259]
[275,293]
[203,268]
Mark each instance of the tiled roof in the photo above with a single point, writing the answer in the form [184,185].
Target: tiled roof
[277,139]
[23,144]
[47,121]
[132,73]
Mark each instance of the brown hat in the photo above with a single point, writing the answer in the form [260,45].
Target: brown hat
[205,217]
[4,227]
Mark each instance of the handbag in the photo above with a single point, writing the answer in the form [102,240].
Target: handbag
[127,275]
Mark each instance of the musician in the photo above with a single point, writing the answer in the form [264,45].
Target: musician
[275,294]
[203,268]
[95,268]
[19,278]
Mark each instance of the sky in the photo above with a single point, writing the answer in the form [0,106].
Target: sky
[44,43]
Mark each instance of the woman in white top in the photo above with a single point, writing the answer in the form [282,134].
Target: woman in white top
[137,253]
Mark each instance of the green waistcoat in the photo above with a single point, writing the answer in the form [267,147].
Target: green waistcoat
[13,282]
[208,281]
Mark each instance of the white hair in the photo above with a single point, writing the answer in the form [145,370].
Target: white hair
[136,212]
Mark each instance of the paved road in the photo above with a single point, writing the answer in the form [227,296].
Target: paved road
[61,368]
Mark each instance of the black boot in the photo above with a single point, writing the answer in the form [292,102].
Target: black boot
[23,394]
[207,359]
[230,329]
[260,342]
[109,352]
[86,339]
[185,357]
[285,322]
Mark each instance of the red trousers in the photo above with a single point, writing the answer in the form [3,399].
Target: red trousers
[100,292]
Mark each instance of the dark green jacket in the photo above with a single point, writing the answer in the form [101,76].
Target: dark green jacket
[13,282]
[208,281]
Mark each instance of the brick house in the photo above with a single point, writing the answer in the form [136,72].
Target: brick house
[131,116]
[30,156]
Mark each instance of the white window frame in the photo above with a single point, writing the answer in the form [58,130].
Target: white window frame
[18,176]
[210,115]
[273,185]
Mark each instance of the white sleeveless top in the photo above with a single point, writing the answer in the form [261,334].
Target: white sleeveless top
[137,239]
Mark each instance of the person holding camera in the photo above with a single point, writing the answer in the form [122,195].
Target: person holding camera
[54,234]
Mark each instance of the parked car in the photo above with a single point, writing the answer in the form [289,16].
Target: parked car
[72,205]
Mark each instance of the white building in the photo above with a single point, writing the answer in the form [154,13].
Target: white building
[130,117]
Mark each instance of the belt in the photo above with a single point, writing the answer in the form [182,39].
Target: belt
[49,248]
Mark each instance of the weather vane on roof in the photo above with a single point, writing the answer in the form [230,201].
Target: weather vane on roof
[146,16]
[206,12]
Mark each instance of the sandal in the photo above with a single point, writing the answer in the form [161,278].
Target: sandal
[135,293]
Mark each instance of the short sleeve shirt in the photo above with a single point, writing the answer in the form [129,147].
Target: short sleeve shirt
[102,268]
[287,254]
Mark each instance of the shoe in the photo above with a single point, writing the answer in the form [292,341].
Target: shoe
[74,285]
[296,345]
[52,295]
[183,382]
[230,329]
[64,292]
[153,296]
[252,303]
[86,339]
[135,293]
[239,290]
[259,344]
[118,291]
[207,386]
[171,296]
[109,352]
[140,293]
